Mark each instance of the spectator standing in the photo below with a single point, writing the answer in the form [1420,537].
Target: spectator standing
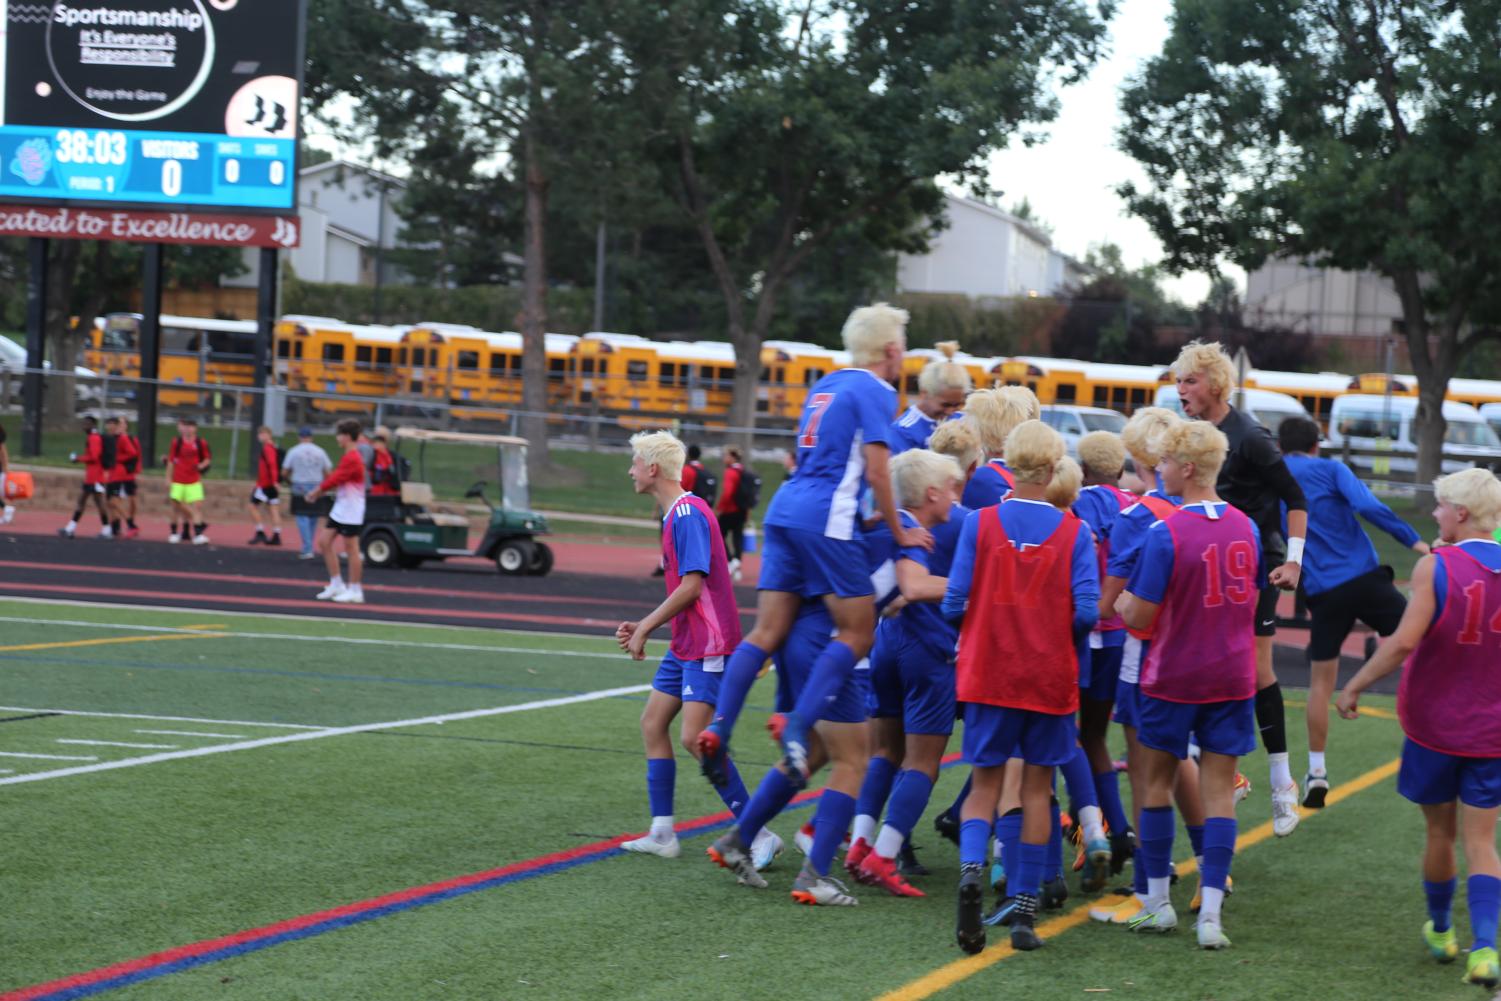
[127,470]
[346,518]
[697,479]
[7,510]
[188,458]
[732,509]
[265,493]
[94,473]
[304,466]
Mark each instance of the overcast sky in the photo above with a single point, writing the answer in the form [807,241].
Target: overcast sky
[1070,179]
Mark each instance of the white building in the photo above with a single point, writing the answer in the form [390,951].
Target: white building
[988,252]
[1321,301]
[346,213]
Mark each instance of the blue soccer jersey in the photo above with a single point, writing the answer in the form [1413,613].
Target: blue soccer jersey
[1338,548]
[990,485]
[1128,532]
[920,622]
[846,410]
[911,430]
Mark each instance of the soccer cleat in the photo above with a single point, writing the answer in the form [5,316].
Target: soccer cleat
[200,539]
[275,540]
[728,852]
[106,532]
[803,839]
[350,596]
[1117,913]
[133,532]
[907,863]
[330,591]
[1154,920]
[65,533]
[775,724]
[648,845]
[1442,945]
[794,743]
[1054,893]
[1211,935]
[1483,968]
[257,539]
[820,891]
[882,872]
[735,570]
[765,847]
[174,538]
[1097,865]
[1315,790]
[307,556]
[1122,847]
[970,932]
[1242,787]
[1285,815]
[713,750]
[1002,914]
[947,826]
[1023,933]
[998,877]
[859,850]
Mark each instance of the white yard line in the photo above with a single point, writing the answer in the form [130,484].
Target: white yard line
[291,738]
[117,743]
[165,719]
[48,757]
[191,733]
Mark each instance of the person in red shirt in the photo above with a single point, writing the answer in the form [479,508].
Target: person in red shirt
[187,459]
[7,510]
[267,475]
[731,517]
[122,479]
[94,468]
[115,473]
[346,519]
[385,478]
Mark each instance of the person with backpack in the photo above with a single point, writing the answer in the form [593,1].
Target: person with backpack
[268,459]
[188,458]
[697,479]
[96,464]
[385,467]
[742,489]
[127,468]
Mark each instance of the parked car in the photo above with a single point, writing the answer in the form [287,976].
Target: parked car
[13,366]
[1380,422]
[1074,422]
[1267,406]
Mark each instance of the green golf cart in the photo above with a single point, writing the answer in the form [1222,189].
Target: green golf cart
[404,531]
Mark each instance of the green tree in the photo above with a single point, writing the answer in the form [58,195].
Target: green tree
[1361,136]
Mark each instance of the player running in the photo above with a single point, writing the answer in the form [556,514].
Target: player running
[95,473]
[1449,703]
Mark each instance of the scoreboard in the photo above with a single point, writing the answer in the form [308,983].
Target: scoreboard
[151,103]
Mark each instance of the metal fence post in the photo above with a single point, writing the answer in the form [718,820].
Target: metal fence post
[234,435]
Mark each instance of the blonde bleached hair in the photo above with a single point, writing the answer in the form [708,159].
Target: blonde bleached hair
[1102,454]
[994,413]
[661,449]
[870,328]
[916,470]
[1063,489]
[1477,491]
[1201,444]
[945,373]
[1033,450]
[1212,361]
[1144,433]
[958,440]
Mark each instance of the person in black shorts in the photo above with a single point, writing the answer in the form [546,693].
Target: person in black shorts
[7,509]
[1340,576]
[1255,479]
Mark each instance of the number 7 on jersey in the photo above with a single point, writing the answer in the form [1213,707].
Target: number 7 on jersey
[817,404]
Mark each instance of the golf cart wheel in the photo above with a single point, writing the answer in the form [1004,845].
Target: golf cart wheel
[381,549]
[541,563]
[515,556]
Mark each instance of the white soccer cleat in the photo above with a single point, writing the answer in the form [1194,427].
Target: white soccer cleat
[735,570]
[765,847]
[330,592]
[200,539]
[350,596]
[803,839]
[1211,935]
[1285,815]
[820,891]
[106,532]
[648,845]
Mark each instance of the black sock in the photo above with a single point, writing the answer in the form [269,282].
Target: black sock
[1271,718]
[114,526]
[203,524]
[131,522]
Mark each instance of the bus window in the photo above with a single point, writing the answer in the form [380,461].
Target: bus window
[1138,398]
[383,357]
[515,366]
[586,366]
[468,361]
[635,371]
[283,349]
[1066,393]
[1102,396]
[363,355]
[296,349]
[555,369]
[812,375]
[667,374]
[911,385]
[726,378]
[333,352]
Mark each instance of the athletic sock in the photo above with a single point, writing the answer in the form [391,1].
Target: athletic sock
[1090,822]
[739,674]
[880,773]
[1440,901]
[974,836]
[662,828]
[130,522]
[72,525]
[199,528]
[771,796]
[1107,787]
[336,581]
[1028,881]
[1196,838]
[1008,831]
[830,824]
[828,674]
[733,791]
[1484,893]
[1218,835]
[1156,850]
[1316,763]
[909,798]
[1271,718]
[661,779]
[1052,864]
[114,526]
[1280,770]
[1079,781]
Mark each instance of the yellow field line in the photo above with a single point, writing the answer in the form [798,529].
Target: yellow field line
[112,639]
[1371,711]
[962,969]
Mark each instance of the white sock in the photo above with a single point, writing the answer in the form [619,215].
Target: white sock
[1157,891]
[1316,762]
[70,526]
[865,827]
[1209,905]
[661,828]
[1093,823]
[995,849]
[336,581]
[889,842]
[357,589]
[1281,776]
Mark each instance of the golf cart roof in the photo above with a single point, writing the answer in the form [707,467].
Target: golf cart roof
[459,437]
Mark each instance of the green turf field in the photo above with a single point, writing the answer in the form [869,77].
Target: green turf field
[109,865]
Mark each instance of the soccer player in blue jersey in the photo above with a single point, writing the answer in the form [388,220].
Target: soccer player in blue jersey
[942,386]
[813,548]
[1341,576]
[995,413]
[700,605]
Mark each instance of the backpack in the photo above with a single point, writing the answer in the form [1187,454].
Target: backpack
[403,468]
[705,484]
[748,490]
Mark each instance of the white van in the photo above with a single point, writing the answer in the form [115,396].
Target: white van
[1268,407]
[13,367]
[1074,422]
[1366,420]
[1491,414]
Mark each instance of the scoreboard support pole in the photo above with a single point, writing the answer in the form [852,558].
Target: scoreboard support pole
[32,386]
[265,318]
[151,351]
